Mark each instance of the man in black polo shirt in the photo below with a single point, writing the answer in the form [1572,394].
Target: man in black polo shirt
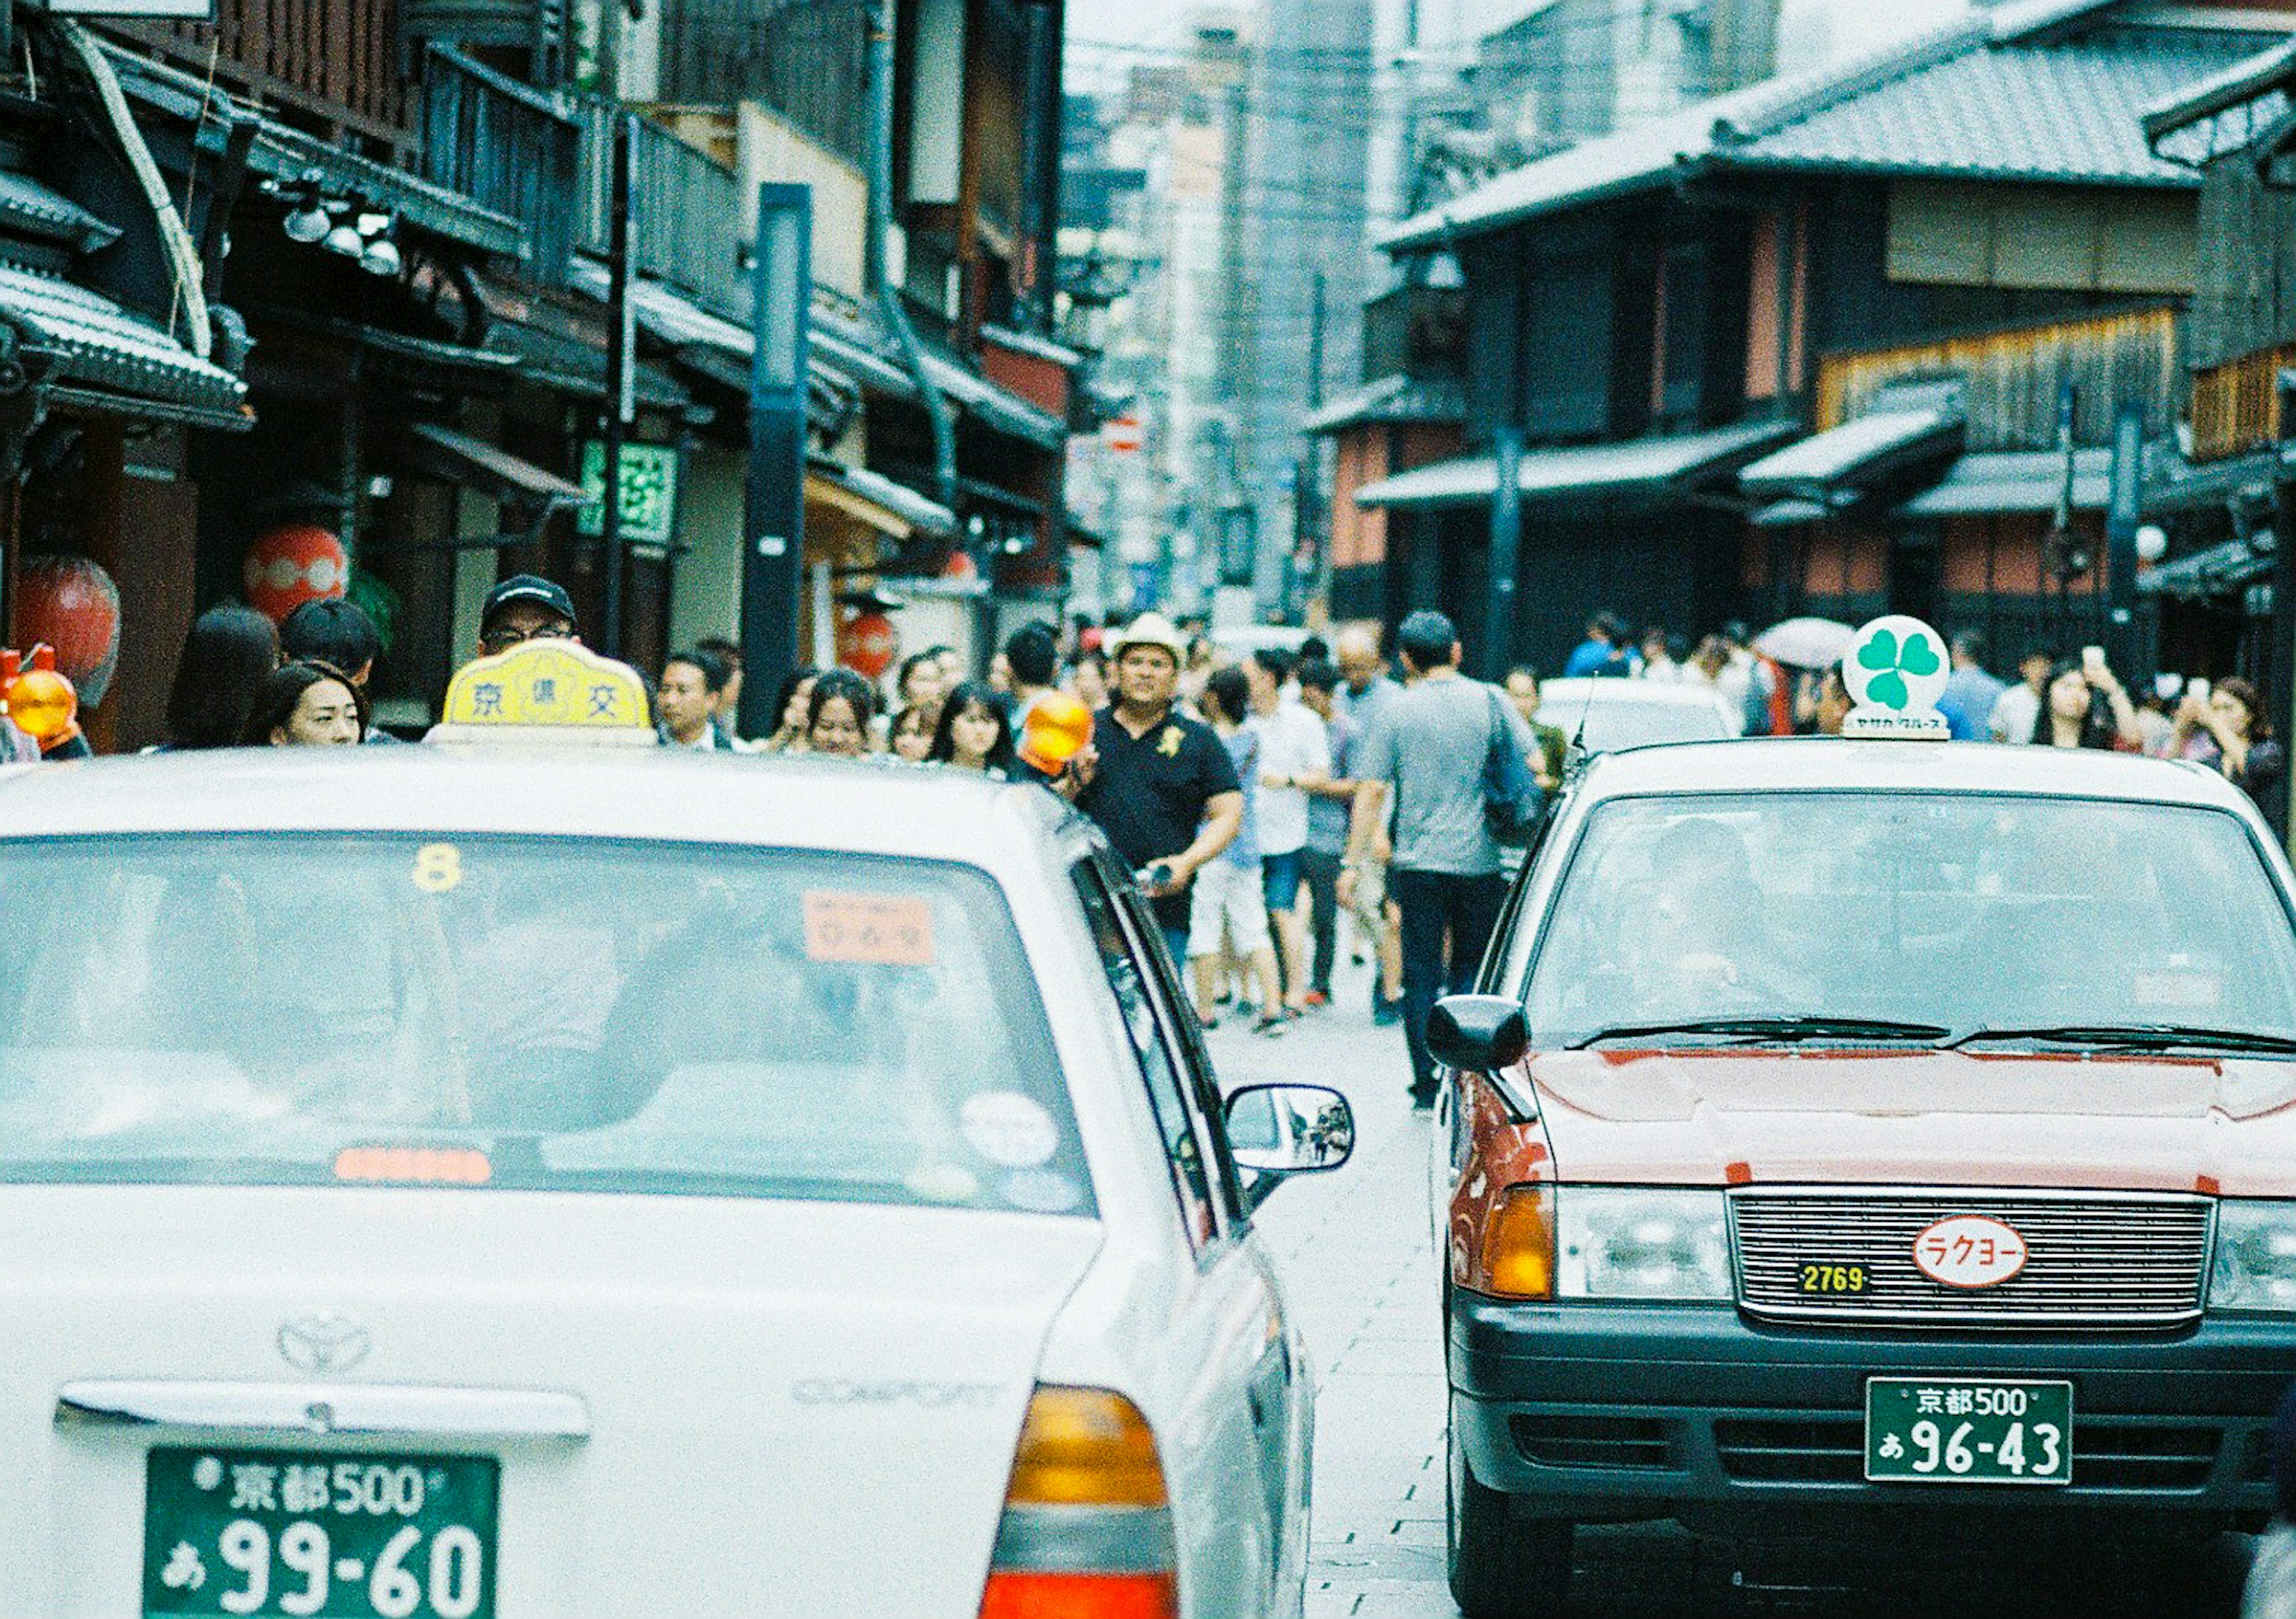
[1159,784]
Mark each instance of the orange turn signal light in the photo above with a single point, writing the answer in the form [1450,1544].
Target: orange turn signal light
[1084,1447]
[1518,1253]
[1066,1595]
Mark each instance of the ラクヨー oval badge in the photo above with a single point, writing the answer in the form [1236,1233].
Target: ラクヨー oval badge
[1970,1251]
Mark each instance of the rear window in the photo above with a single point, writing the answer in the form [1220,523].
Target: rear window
[1612,725]
[524,1013]
[1940,907]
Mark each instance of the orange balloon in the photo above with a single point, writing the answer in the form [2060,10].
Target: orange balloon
[1053,732]
[44,705]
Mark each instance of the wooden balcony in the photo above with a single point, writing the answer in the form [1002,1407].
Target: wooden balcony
[685,210]
[544,158]
[335,62]
[509,147]
[2236,406]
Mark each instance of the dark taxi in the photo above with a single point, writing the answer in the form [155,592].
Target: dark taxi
[1873,1133]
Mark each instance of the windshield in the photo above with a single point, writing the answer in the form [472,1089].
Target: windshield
[533,1013]
[1935,909]
[1616,723]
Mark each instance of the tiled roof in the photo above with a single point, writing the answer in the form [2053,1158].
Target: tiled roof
[100,347]
[1661,464]
[2050,90]
[2065,111]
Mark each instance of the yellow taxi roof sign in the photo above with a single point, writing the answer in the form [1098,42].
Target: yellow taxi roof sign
[1896,670]
[547,690]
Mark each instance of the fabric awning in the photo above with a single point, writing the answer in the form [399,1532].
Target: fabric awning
[2221,570]
[2016,481]
[474,463]
[90,353]
[891,509]
[1840,466]
[1656,466]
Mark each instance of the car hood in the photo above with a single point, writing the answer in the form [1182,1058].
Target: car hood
[1712,1118]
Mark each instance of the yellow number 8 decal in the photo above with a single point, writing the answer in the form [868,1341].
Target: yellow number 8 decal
[437,868]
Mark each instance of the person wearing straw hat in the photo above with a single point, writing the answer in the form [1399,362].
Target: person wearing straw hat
[1160,785]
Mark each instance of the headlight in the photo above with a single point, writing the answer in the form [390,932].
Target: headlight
[2256,1258]
[1631,1242]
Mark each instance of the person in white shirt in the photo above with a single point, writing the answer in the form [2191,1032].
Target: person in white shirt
[1295,757]
[2015,710]
[686,698]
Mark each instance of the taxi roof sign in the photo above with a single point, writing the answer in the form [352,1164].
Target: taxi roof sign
[1896,670]
[551,691]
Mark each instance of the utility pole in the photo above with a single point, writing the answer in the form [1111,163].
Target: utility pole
[1507,553]
[774,546]
[1307,518]
[2280,670]
[621,379]
[1039,167]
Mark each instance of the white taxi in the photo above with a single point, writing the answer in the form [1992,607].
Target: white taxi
[467,1183]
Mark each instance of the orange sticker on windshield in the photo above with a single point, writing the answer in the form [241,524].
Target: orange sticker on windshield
[878,930]
[432,1166]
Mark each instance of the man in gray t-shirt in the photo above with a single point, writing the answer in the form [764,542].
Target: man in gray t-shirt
[1426,752]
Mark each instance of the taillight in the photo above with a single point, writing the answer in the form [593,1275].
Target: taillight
[1087,1527]
[1516,1256]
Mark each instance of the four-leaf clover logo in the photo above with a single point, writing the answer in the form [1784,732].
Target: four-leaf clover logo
[1889,659]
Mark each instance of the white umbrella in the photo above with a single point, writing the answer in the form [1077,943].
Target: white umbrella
[1806,643]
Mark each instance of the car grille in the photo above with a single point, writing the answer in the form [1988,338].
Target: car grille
[2108,1453]
[2127,1260]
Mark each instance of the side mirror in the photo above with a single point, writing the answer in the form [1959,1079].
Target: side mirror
[1478,1033]
[1289,1130]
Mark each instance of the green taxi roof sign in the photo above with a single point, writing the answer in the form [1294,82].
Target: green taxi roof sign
[1896,670]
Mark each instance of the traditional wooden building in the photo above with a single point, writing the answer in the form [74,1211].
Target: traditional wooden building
[1812,346]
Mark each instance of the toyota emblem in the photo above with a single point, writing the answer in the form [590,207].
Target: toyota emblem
[324,1342]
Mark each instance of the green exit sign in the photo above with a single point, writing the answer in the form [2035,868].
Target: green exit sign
[649,492]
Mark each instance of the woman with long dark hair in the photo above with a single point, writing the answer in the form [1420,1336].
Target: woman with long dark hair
[840,714]
[2083,705]
[2246,753]
[229,654]
[792,702]
[305,704]
[975,731]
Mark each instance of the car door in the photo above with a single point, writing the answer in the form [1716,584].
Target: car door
[1283,1388]
[1219,1395]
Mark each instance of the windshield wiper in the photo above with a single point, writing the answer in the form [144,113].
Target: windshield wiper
[1759,1031]
[2138,1037]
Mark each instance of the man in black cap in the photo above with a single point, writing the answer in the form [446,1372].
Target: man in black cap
[526,608]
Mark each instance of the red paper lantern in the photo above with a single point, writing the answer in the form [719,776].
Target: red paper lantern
[868,644]
[294,563]
[73,606]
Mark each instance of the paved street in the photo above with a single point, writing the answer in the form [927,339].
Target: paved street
[1359,1273]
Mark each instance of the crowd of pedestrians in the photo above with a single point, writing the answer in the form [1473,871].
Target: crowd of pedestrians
[1275,807]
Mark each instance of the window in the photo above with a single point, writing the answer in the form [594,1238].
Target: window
[566,1015]
[1191,1182]
[1949,909]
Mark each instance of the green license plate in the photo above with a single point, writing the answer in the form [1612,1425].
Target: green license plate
[303,1532]
[1947,1430]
